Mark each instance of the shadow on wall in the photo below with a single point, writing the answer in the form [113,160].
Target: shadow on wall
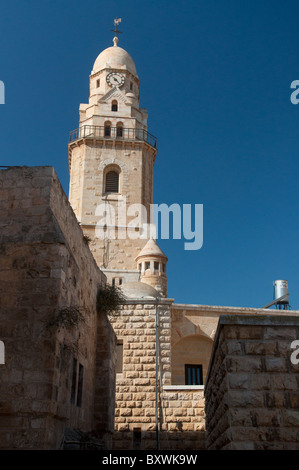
[134,440]
[148,440]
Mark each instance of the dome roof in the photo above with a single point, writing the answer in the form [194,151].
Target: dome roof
[114,57]
[151,249]
[139,290]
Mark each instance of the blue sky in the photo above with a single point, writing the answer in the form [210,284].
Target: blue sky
[215,78]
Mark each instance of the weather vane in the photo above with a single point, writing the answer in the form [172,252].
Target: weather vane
[116,23]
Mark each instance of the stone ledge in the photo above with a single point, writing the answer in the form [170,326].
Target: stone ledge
[171,388]
[261,320]
[232,310]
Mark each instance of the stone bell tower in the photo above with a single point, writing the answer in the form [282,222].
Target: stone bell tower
[111,160]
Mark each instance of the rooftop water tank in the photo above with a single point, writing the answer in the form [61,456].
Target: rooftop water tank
[281,289]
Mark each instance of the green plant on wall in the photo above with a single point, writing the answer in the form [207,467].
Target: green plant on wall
[109,299]
[67,317]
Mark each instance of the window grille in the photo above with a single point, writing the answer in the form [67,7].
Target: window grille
[193,374]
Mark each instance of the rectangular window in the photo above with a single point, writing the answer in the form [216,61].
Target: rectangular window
[147,265]
[119,356]
[193,374]
[80,385]
[74,381]
[156,266]
[98,83]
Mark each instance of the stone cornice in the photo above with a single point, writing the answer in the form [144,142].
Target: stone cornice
[233,310]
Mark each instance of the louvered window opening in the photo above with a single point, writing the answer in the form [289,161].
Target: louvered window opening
[112,182]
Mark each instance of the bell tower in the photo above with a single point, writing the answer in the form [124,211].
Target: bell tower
[111,161]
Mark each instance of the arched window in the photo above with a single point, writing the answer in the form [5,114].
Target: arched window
[119,129]
[107,129]
[114,106]
[190,359]
[112,182]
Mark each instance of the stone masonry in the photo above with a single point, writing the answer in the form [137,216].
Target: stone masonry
[251,392]
[52,372]
[180,411]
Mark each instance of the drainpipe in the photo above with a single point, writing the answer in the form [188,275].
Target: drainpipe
[157,375]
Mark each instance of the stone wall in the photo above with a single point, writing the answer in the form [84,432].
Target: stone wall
[179,416]
[48,276]
[184,415]
[135,328]
[251,392]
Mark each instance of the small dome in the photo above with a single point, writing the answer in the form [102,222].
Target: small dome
[114,57]
[139,290]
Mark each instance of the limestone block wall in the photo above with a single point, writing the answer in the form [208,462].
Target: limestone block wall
[46,268]
[135,328]
[184,415]
[251,391]
[180,409]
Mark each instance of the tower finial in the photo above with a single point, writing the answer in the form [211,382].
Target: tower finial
[116,31]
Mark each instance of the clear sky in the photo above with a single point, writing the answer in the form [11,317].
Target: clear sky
[215,78]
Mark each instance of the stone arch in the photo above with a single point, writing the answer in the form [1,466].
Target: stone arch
[112,169]
[107,128]
[187,324]
[119,129]
[193,349]
[120,166]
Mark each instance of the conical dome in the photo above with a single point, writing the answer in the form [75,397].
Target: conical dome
[151,263]
[151,249]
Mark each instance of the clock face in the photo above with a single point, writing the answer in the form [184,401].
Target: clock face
[115,79]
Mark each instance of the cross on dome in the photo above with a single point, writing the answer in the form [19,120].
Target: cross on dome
[116,31]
